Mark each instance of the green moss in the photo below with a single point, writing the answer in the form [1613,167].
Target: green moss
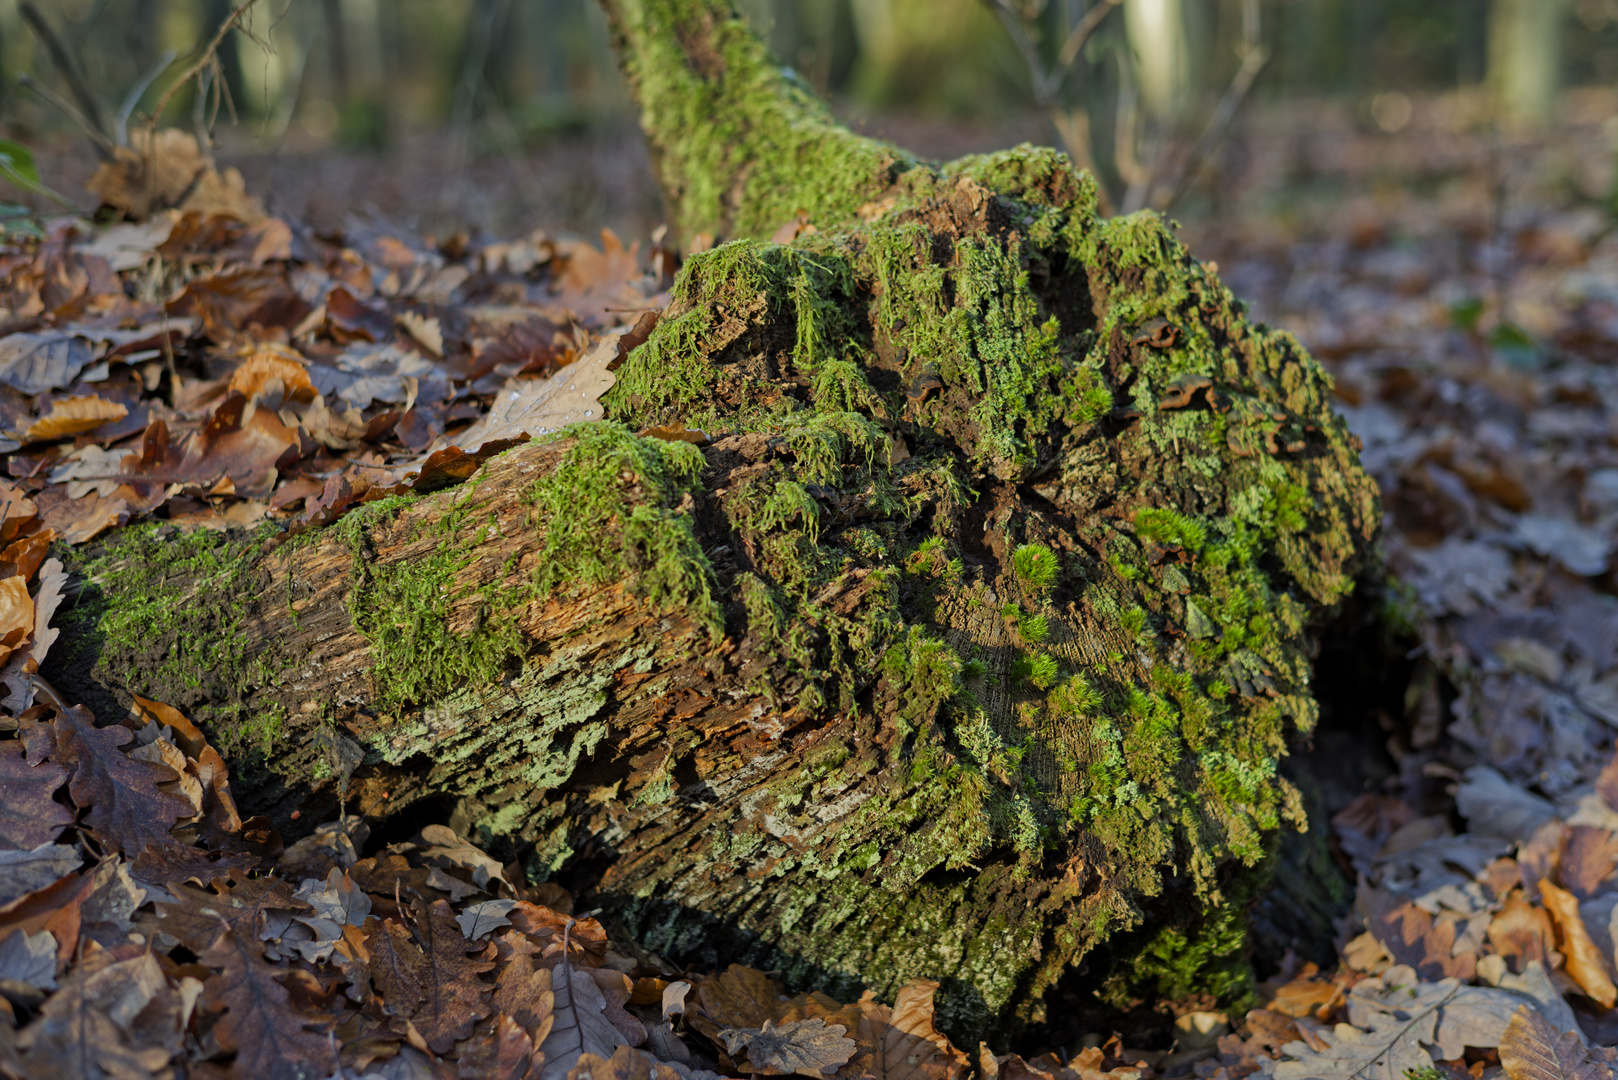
[610,512]
[742,144]
[1039,670]
[406,607]
[1036,567]
[163,617]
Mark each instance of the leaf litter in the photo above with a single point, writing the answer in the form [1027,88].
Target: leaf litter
[212,365]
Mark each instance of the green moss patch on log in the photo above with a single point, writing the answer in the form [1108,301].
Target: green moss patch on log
[1083,386]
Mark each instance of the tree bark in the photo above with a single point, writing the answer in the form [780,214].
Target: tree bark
[971,642]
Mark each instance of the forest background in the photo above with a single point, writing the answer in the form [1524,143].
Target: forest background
[509,115]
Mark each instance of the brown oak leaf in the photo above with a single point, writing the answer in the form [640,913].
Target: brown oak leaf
[1523,933]
[810,1048]
[127,808]
[523,992]
[85,1029]
[198,916]
[502,1052]
[1412,937]
[425,976]
[29,816]
[271,1041]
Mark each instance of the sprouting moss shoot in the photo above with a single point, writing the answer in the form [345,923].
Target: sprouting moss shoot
[1035,565]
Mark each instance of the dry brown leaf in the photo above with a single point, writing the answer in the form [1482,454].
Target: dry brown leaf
[626,1063]
[901,1043]
[16,614]
[501,1052]
[740,997]
[1523,933]
[156,170]
[810,1048]
[29,816]
[16,508]
[259,1022]
[127,807]
[74,416]
[1532,1049]
[269,361]
[424,331]
[1304,996]
[525,408]
[1585,961]
[28,553]
[1587,860]
[1414,938]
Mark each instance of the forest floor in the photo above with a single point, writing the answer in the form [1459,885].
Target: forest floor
[220,366]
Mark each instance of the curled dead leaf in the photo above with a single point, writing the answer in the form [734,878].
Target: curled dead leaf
[16,614]
[1585,961]
[268,361]
[74,416]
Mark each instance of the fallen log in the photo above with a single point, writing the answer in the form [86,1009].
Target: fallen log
[971,639]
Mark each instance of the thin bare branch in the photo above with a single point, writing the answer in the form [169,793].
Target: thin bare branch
[89,107]
[1082,32]
[136,92]
[103,145]
[1253,60]
[209,57]
[1044,84]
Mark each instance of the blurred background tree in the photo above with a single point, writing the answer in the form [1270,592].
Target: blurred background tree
[472,90]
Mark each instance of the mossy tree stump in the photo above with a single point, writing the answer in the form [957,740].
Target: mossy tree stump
[973,639]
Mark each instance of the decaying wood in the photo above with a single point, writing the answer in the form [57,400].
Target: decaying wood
[971,643]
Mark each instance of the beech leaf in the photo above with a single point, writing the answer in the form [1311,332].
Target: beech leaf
[1585,961]
[1531,1049]
[581,1024]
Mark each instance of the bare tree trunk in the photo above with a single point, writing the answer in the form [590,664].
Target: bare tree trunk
[1525,50]
[972,641]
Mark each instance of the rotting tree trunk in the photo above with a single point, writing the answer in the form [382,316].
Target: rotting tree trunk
[971,642]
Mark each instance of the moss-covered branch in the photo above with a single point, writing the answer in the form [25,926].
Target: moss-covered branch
[740,143]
